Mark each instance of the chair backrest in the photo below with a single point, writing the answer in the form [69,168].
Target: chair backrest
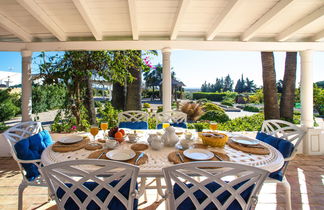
[284,130]
[132,116]
[21,131]
[220,185]
[171,116]
[92,184]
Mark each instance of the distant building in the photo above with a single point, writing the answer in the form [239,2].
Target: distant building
[8,78]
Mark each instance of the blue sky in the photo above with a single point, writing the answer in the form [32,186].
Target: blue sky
[196,67]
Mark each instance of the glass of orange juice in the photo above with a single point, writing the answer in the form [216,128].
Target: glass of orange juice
[94,130]
[165,125]
[213,126]
[104,127]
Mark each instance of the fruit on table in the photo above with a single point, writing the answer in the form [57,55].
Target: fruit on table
[113,131]
[122,131]
[118,135]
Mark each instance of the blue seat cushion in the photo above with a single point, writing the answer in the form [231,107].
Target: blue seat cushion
[101,195]
[212,187]
[179,125]
[283,146]
[134,125]
[31,148]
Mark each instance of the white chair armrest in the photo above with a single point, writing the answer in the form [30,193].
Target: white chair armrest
[29,161]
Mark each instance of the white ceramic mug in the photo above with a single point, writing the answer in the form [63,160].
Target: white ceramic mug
[132,137]
[188,135]
[185,144]
[111,144]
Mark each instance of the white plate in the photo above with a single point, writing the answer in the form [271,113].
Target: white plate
[245,141]
[198,154]
[120,155]
[70,139]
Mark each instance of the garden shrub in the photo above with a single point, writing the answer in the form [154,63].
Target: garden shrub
[214,115]
[148,93]
[3,127]
[109,114]
[251,108]
[209,96]
[97,103]
[152,122]
[248,123]
[227,102]
[210,107]
[159,109]
[8,105]
[146,105]
[205,125]
[48,97]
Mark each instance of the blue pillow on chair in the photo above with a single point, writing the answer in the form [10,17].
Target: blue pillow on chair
[102,195]
[31,148]
[179,125]
[283,146]
[134,125]
[212,187]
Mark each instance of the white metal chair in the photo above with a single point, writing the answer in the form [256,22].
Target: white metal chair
[133,119]
[221,185]
[15,134]
[174,117]
[92,184]
[292,133]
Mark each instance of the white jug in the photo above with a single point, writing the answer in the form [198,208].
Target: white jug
[155,141]
[169,137]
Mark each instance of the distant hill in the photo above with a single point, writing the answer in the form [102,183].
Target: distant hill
[320,84]
[192,89]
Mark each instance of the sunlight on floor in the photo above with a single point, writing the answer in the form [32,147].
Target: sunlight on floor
[303,189]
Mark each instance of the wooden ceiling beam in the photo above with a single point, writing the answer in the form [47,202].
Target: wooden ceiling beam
[179,18]
[37,12]
[301,23]
[221,19]
[15,29]
[265,19]
[133,18]
[319,36]
[84,11]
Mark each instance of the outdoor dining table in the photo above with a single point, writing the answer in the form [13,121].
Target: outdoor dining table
[159,159]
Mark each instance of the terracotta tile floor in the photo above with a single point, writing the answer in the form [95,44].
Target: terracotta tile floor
[305,175]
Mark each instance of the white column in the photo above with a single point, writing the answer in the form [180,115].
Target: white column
[26,89]
[166,82]
[306,88]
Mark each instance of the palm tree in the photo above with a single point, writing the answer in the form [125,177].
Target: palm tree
[289,85]
[271,108]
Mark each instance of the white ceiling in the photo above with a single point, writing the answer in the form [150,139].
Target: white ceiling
[38,21]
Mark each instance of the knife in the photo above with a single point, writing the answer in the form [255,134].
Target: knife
[139,157]
[101,155]
[218,157]
[180,157]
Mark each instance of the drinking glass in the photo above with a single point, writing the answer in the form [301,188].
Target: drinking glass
[165,125]
[213,126]
[94,130]
[104,127]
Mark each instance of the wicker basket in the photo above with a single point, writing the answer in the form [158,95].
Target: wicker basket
[215,140]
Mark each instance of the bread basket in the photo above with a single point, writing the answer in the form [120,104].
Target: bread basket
[213,139]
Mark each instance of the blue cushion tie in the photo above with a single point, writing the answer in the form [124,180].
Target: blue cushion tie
[187,204]
[283,146]
[134,125]
[179,125]
[31,148]
[115,203]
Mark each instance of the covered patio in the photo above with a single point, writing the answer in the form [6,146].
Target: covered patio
[29,26]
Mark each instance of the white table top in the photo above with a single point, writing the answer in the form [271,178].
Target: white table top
[159,159]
